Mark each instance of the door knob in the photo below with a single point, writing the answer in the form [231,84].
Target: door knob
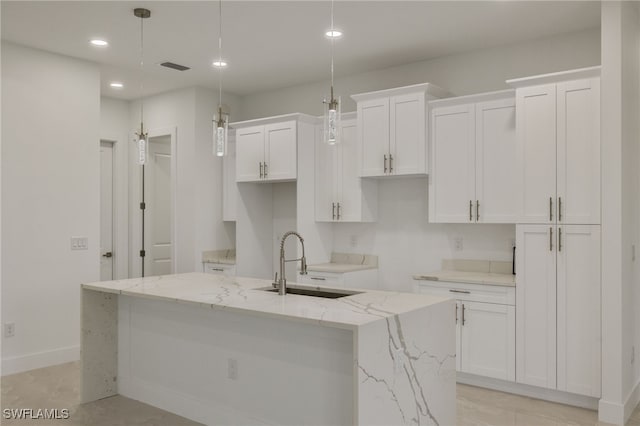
[108,254]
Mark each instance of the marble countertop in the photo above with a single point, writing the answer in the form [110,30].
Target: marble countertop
[243,295]
[472,272]
[346,262]
[226,257]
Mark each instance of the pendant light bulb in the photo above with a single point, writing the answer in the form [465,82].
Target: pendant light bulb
[143,141]
[220,133]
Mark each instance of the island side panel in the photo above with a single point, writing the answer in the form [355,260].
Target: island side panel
[98,345]
[406,372]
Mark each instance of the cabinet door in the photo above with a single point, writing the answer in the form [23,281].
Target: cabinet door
[229,185]
[249,153]
[373,136]
[496,173]
[536,153]
[280,151]
[488,340]
[536,305]
[407,142]
[579,152]
[458,335]
[452,181]
[349,186]
[579,309]
[326,164]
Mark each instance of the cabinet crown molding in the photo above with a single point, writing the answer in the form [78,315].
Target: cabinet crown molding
[475,98]
[430,89]
[303,118]
[556,77]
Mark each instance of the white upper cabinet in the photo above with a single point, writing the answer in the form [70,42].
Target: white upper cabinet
[229,185]
[473,155]
[341,195]
[266,148]
[558,147]
[392,129]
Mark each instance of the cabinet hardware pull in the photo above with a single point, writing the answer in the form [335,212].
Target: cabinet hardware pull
[550,239]
[390,163]
[338,211]
[266,170]
[463,314]
[217,269]
[456,313]
[470,211]
[318,278]
[559,239]
[460,291]
[477,210]
[550,209]
[559,209]
[333,210]
[261,170]
[385,163]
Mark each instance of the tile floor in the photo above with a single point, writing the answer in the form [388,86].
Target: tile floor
[58,387]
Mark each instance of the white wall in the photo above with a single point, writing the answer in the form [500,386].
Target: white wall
[620,198]
[50,181]
[114,128]
[402,237]
[198,212]
[474,72]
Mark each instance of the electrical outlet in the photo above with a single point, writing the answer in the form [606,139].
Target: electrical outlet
[353,241]
[79,243]
[232,369]
[458,244]
[9,329]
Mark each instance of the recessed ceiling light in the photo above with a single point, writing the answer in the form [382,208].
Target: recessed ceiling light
[333,33]
[117,85]
[99,42]
[220,64]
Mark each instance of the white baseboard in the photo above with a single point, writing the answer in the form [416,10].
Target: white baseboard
[530,391]
[616,413]
[18,364]
[632,401]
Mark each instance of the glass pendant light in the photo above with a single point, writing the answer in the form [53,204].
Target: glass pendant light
[332,106]
[220,120]
[142,137]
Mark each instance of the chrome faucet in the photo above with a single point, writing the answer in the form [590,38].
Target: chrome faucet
[281,284]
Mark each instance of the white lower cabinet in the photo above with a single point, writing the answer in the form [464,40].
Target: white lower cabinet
[485,333]
[558,307]
[365,279]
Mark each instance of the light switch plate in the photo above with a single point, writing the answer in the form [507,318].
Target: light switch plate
[79,243]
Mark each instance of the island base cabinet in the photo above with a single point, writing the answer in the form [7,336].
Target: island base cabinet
[558,307]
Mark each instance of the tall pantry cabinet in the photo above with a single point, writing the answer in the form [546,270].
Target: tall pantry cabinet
[558,343]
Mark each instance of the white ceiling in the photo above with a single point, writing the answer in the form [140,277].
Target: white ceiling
[275,44]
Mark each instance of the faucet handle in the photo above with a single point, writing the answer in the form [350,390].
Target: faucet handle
[275,281]
[303,269]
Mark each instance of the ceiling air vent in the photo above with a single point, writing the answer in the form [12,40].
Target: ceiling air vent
[173,66]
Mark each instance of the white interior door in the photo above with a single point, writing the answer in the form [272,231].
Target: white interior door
[158,214]
[106,211]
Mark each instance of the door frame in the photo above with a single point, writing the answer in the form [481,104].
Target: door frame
[135,194]
[120,236]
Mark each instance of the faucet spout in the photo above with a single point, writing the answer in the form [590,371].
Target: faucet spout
[282,282]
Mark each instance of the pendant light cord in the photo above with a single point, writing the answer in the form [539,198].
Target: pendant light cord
[141,72]
[220,55]
[332,42]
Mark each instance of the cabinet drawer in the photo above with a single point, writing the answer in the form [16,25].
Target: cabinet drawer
[322,279]
[469,292]
[219,268]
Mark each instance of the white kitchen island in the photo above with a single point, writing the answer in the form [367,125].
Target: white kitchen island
[219,350]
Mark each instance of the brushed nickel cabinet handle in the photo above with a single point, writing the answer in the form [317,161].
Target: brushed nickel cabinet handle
[333,210]
[559,209]
[550,209]
[385,163]
[559,239]
[390,163]
[463,321]
[477,210]
[261,175]
[459,291]
[266,170]
[470,211]
[318,278]
[550,239]
[456,313]
[338,211]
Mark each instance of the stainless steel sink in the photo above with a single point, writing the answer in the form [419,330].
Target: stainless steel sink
[327,293]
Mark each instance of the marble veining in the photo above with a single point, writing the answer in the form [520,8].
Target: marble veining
[346,262]
[226,256]
[473,272]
